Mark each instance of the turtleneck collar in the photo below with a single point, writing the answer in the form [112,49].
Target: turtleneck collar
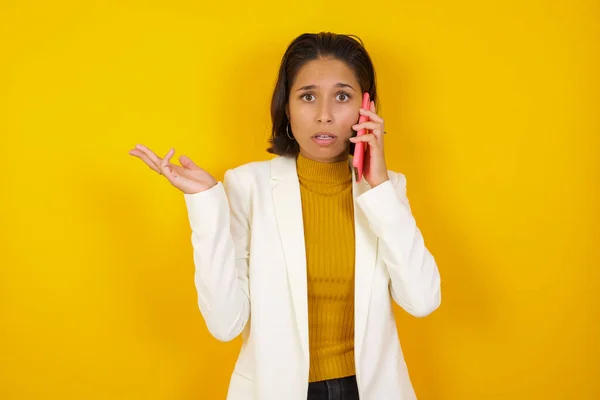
[338,172]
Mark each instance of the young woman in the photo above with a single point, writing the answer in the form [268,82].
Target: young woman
[299,257]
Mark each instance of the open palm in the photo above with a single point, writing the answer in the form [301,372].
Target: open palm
[187,177]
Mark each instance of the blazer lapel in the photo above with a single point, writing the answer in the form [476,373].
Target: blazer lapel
[365,259]
[288,212]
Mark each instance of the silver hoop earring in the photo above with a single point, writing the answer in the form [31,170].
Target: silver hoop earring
[288,132]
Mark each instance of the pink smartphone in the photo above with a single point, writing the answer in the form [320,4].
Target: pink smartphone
[360,147]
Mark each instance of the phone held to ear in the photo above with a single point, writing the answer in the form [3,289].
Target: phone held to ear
[360,148]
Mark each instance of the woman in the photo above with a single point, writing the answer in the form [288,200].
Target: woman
[299,257]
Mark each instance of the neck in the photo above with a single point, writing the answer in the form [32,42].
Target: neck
[343,156]
[323,172]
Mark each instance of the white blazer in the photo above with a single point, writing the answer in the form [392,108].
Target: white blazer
[250,276]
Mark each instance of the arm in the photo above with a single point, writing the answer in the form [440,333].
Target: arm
[415,279]
[220,239]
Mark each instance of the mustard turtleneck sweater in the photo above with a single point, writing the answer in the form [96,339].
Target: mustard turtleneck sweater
[328,214]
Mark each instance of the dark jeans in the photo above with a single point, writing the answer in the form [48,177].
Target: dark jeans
[334,389]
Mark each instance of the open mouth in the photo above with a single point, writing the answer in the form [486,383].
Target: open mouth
[324,138]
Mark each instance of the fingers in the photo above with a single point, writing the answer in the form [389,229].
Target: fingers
[164,164]
[149,153]
[367,138]
[374,124]
[186,162]
[371,114]
[173,172]
[374,141]
[376,127]
[141,155]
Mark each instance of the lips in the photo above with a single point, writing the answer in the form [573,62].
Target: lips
[324,134]
[324,139]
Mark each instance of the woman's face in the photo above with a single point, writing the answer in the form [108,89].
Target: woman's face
[322,107]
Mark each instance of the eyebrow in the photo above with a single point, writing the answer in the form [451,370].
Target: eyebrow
[339,84]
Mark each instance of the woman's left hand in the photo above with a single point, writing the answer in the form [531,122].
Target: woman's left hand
[375,169]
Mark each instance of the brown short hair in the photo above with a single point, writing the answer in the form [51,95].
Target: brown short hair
[307,47]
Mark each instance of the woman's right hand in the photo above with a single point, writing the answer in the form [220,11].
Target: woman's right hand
[189,178]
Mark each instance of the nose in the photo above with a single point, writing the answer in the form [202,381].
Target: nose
[324,113]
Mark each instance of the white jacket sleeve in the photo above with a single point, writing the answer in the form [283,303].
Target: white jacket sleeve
[414,275]
[220,239]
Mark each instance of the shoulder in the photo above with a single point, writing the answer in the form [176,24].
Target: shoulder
[250,176]
[251,170]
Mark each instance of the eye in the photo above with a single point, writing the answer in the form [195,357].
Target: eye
[305,95]
[345,96]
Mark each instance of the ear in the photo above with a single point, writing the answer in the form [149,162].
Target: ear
[287,111]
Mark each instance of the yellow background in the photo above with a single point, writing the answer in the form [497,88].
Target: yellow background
[492,114]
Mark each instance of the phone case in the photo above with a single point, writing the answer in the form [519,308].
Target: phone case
[360,147]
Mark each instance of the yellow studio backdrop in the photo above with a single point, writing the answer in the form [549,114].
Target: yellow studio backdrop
[491,110]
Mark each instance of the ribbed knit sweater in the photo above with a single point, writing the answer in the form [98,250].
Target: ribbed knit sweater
[328,214]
